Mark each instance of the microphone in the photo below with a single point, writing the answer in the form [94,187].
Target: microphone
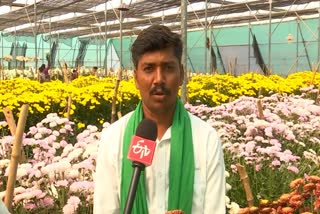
[141,153]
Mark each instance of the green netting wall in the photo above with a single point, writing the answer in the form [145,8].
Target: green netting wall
[233,43]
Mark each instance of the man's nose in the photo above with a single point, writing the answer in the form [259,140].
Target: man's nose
[159,76]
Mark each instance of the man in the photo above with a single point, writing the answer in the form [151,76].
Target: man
[3,209]
[187,172]
[94,71]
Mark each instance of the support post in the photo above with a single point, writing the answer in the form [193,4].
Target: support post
[206,36]
[184,19]
[16,151]
[269,42]
[35,32]
[319,36]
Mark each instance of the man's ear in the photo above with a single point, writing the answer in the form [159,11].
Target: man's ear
[135,78]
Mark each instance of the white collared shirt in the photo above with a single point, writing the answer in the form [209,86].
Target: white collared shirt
[3,209]
[209,180]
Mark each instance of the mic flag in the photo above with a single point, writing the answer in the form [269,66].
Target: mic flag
[140,152]
[143,143]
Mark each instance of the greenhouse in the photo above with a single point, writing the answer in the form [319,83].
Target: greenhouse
[163,106]
[280,36]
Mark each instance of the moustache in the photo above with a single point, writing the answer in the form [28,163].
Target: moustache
[159,88]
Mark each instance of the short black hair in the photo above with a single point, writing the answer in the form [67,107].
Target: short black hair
[155,37]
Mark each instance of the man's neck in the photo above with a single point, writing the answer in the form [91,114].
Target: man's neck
[162,119]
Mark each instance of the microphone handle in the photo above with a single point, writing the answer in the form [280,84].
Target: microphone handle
[137,168]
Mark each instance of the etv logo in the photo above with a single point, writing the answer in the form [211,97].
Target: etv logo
[144,151]
[141,150]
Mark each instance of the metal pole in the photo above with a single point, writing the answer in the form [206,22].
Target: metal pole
[50,43]
[105,40]
[97,51]
[249,41]
[319,36]
[297,47]
[269,43]
[35,36]
[120,58]
[184,18]
[100,43]
[15,48]
[2,61]
[206,36]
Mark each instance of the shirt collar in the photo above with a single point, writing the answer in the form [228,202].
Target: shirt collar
[166,136]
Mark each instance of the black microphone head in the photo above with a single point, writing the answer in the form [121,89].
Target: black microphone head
[147,129]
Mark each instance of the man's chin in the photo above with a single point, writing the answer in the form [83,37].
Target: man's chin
[159,98]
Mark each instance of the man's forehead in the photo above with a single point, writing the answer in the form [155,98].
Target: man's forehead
[148,62]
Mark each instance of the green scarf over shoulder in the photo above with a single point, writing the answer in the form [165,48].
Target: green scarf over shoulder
[181,169]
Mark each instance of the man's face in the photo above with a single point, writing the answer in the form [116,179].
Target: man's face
[158,77]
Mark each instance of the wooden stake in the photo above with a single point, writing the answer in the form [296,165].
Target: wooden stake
[318,94]
[16,151]
[260,109]
[245,182]
[69,106]
[12,127]
[10,120]
[114,97]
[314,71]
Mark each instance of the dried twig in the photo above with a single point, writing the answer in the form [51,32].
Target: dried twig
[245,182]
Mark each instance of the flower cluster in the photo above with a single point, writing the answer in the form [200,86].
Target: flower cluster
[303,198]
[275,145]
[91,97]
[59,173]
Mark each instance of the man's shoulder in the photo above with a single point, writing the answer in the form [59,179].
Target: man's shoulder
[200,124]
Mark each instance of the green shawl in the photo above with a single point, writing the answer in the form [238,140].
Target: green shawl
[181,169]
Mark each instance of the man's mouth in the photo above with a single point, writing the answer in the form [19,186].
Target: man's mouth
[159,91]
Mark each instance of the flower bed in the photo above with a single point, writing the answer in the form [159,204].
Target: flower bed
[276,143]
[92,97]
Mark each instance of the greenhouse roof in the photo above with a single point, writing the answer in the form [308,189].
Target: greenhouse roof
[88,18]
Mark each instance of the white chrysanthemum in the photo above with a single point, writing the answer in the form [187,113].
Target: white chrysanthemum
[56,133]
[38,136]
[23,170]
[89,150]
[106,125]
[234,208]
[72,174]
[75,154]
[228,187]
[4,163]
[53,124]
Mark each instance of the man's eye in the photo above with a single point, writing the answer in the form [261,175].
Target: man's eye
[147,69]
[169,67]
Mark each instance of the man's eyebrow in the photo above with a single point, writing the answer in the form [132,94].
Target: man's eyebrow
[147,63]
[164,62]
